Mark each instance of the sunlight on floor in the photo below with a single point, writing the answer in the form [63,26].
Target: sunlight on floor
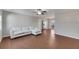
[52,39]
[52,34]
[0,39]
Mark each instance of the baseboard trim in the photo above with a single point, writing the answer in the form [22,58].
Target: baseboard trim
[5,37]
[14,37]
[66,36]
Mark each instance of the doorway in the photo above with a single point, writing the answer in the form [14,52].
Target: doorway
[48,24]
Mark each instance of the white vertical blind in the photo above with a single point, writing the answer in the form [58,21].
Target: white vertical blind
[0,24]
[0,28]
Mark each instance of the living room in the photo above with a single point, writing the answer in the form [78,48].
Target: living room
[28,28]
[39,29]
[17,22]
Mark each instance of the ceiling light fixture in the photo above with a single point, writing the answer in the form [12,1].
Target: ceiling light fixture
[40,11]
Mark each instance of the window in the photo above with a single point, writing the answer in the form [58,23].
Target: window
[0,25]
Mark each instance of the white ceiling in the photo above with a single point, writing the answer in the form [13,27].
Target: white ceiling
[66,10]
[50,12]
[31,12]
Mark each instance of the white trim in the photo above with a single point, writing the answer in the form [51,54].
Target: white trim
[67,36]
[5,35]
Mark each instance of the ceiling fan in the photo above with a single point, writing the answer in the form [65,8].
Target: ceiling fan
[40,11]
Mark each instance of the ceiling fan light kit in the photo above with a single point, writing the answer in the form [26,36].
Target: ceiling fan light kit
[40,11]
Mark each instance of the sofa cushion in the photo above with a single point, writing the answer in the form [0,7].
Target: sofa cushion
[18,32]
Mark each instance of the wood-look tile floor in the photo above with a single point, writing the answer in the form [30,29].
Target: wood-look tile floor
[47,40]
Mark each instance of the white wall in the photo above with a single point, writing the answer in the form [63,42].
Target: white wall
[13,19]
[67,23]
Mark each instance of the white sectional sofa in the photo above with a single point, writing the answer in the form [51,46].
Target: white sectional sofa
[20,31]
[17,31]
[36,31]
